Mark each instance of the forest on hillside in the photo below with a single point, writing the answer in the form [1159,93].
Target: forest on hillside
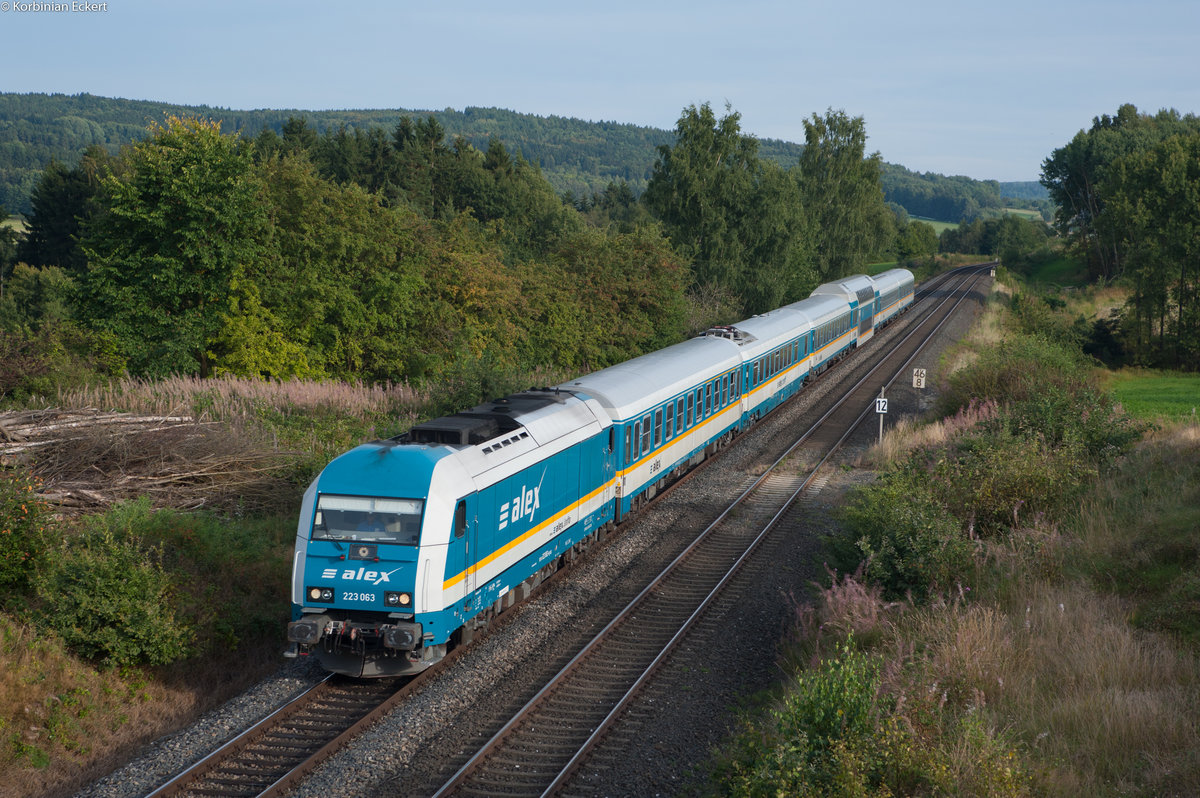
[577,157]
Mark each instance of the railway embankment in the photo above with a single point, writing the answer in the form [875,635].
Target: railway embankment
[1012,605]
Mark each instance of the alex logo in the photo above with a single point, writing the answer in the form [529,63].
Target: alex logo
[524,505]
[361,575]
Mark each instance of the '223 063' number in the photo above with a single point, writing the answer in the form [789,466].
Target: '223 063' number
[358,596]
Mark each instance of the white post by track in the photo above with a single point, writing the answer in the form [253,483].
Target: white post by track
[881,409]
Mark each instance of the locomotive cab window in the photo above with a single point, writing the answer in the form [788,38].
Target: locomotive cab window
[460,520]
[362,518]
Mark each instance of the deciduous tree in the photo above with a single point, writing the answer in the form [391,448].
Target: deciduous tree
[840,188]
[181,223]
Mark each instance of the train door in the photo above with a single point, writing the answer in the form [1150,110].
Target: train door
[463,547]
[609,470]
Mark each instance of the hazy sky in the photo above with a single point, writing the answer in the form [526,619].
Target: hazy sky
[985,89]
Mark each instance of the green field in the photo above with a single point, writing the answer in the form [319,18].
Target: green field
[938,226]
[1059,271]
[1156,394]
[15,222]
[1028,214]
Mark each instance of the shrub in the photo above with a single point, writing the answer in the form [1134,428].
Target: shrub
[992,479]
[231,575]
[908,542]
[23,519]
[109,599]
[1020,367]
[832,735]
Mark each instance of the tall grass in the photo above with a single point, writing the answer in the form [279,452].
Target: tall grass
[227,398]
[908,433]
[1063,656]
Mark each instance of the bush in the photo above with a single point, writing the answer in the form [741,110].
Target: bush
[109,599]
[994,480]
[231,575]
[1020,367]
[56,357]
[831,735]
[23,519]
[908,542]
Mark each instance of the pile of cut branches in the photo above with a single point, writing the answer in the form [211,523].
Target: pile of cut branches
[88,459]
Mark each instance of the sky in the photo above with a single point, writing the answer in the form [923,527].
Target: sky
[958,87]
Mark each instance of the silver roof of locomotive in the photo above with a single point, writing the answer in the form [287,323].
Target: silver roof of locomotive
[497,434]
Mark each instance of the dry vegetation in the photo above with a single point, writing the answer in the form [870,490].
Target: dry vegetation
[1052,662]
[1062,660]
[90,460]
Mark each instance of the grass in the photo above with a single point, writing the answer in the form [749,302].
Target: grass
[1075,645]
[1066,660]
[938,226]
[1156,395]
[1060,271]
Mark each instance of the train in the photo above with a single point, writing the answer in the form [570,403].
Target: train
[406,547]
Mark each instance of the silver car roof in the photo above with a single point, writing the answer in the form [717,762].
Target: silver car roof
[631,388]
[773,329]
[822,307]
[885,281]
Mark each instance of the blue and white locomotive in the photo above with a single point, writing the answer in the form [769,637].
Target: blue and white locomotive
[405,547]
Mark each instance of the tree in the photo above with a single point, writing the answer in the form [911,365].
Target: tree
[1156,195]
[63,201]
[916,240]
[737,218]
[623,294]
[1075,176]
[180,224]
[700,191]
[840,189]
[336,288]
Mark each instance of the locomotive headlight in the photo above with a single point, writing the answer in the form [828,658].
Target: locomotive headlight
[324,594]
[397,599]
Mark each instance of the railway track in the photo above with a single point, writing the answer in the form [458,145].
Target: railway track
[274,756]
[539,749]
